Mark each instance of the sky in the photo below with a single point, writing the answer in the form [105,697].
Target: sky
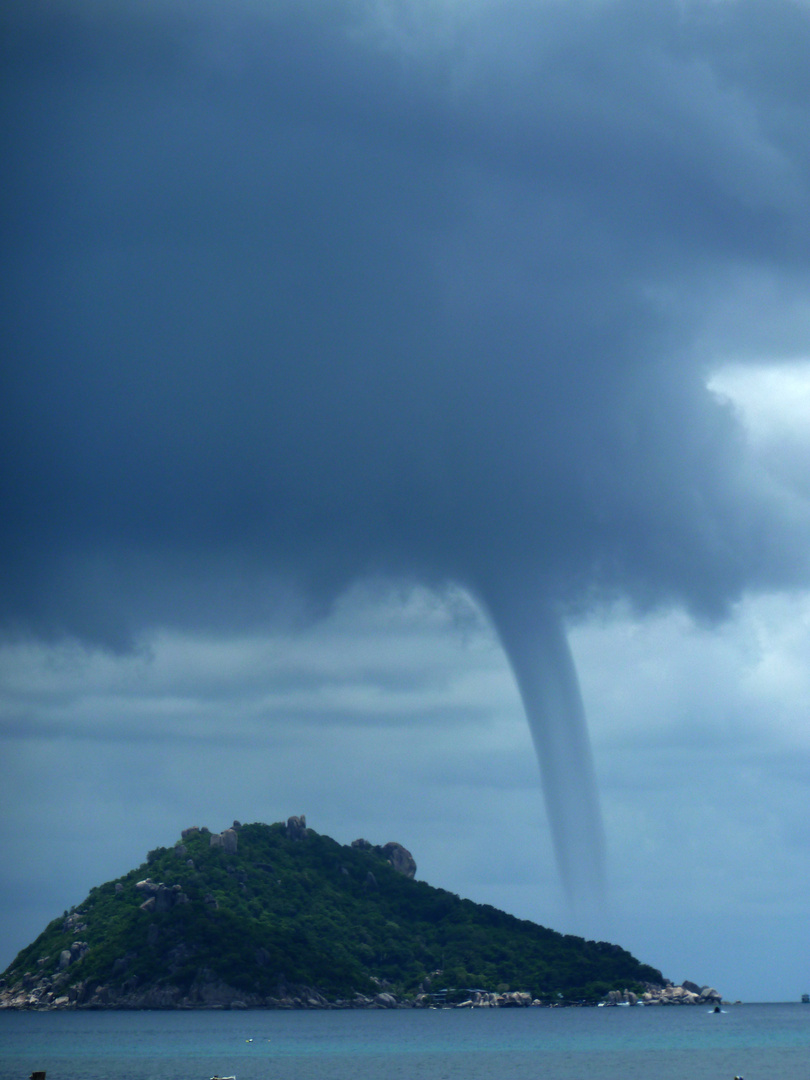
[356,355]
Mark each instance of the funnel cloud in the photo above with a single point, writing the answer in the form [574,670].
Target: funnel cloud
[303,293]
[535,642]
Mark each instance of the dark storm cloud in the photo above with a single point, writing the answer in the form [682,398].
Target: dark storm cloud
[291,297]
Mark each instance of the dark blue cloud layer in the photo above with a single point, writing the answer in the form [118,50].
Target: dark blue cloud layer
[294,295]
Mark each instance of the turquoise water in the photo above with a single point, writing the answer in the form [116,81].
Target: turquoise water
[759,1042]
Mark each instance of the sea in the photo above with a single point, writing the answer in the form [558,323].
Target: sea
[757,1042]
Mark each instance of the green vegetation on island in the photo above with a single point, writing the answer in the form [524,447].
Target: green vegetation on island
[273,914]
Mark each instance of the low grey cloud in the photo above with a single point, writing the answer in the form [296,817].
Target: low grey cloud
[703,780]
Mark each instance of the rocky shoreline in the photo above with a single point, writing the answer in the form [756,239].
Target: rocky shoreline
[688,993]
[48,994]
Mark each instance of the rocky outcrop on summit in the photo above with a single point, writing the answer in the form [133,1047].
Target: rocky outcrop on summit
[297,827]
[227,840]
[398,856]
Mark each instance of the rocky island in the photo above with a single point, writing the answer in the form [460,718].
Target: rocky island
[278,916]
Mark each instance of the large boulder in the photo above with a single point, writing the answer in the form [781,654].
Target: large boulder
[400,858]
[297,827]
[78,950]
[164,899]
[385,1001]
[228,840]
[160,897]
[516,999]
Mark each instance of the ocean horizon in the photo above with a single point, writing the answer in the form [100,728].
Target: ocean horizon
[756,1041]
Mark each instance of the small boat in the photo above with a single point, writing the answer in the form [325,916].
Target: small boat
[223,1078]
[805,999]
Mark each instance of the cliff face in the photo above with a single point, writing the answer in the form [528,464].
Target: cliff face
[278,916]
